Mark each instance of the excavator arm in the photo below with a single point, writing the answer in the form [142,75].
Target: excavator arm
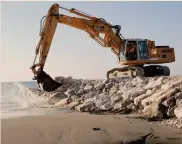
[95,27]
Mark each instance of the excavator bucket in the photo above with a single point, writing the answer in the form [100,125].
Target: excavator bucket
[48,84]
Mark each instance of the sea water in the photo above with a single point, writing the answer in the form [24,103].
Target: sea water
[17,100]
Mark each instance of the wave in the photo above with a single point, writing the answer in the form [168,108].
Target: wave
[17,96]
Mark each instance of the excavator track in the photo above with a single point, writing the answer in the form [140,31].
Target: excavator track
[156,70]
[125,72]
[143,71]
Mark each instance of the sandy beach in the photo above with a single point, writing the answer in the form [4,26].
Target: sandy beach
[77,128]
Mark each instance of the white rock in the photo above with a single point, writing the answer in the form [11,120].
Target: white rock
[62,102]
[171,85]
[166,95]
[133,93]
[93,100]
[178,95]
[149,92]
[107,106]
[91,94]
[138,99]
[136,81]
[118,105]
[88,87]
[72,105]
[178,111]
[70,92]
[154,84]
[103,96]
[153,110]
[113,91]
[180,87]
[132,106]
[152,98]
[116,98]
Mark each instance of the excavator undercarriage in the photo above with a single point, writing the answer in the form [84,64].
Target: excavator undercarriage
[134,71]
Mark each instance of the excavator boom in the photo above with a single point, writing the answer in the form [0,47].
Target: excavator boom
[92,25]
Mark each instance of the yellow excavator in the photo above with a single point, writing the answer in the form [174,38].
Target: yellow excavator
[139,57]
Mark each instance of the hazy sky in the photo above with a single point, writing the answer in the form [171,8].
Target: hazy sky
[72,51]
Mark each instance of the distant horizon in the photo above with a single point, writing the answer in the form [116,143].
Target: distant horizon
[73,53]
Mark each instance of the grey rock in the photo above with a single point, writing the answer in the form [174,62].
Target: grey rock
[113,90]
[70,92]
[91,94]
[154,83]
[132,107]
[136,81]
[81,92]
[178,95]
[118,105]
[88,87]
[133,93]
[84,107]
[59,79]
[106,81]
[107,106]
[99,103]
[55,97]
[109,85]
[100,86]
[116,98]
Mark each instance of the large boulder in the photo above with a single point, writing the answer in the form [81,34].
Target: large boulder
[62,102]
[55,97]
[178,110]
[133,93]
[153,110]
[154,83]
[85,107]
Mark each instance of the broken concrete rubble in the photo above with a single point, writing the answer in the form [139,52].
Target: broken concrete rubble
[158,97]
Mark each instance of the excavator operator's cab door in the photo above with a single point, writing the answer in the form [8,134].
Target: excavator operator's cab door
[137,50]
[143,53]
[131,50]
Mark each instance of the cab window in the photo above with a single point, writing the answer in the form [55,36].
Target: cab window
[143,50]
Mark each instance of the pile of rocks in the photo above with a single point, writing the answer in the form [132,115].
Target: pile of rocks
[157,97]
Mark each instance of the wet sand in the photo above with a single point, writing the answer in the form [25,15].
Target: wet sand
[77,128]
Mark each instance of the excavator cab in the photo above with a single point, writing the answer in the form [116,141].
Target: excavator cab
[134,49]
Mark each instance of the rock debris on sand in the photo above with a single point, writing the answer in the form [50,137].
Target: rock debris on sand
[157,97]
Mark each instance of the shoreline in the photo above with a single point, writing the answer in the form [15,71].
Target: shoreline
[76,127]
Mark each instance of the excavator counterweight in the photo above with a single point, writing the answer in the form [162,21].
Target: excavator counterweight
[140,57]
